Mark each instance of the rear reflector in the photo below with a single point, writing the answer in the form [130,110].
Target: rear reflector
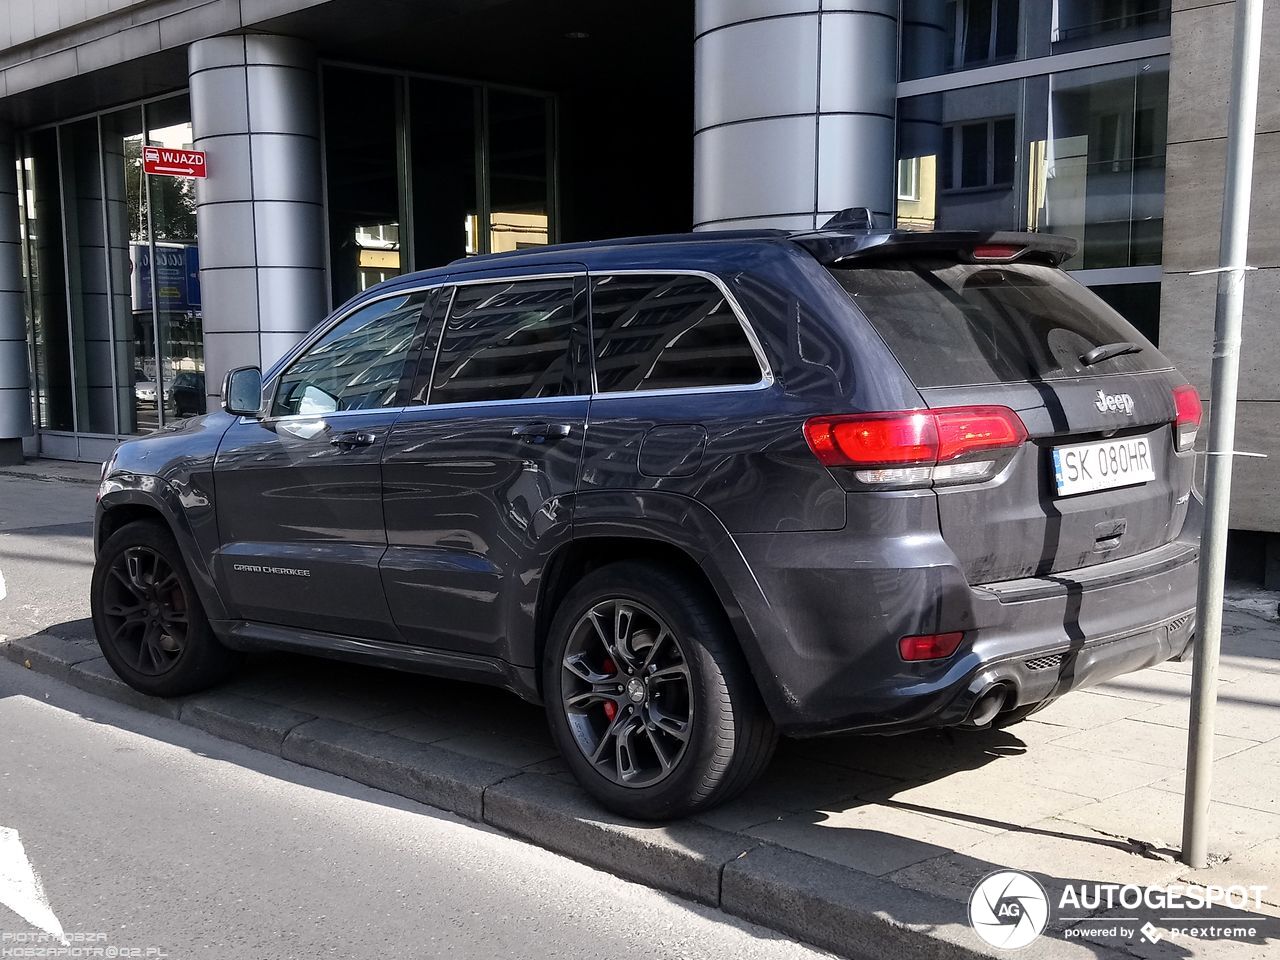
[930,646]
[907,447]
[1186,404]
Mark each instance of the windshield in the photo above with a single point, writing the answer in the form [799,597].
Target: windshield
[951,324]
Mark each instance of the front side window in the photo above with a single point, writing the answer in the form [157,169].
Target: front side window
[508,340]
[355,366]
[662,332]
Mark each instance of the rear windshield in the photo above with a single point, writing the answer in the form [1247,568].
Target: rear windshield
[951,324]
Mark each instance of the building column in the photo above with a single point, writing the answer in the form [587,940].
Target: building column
[15,383]
[794,111]
[255,111]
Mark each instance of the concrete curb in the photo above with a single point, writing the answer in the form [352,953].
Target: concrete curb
[813,900]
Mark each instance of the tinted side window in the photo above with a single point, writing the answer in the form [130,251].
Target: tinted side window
[355,366]
[508,340]
[657,332]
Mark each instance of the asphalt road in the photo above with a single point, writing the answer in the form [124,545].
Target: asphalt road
[150,835]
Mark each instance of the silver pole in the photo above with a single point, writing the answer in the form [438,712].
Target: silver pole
[1241,120]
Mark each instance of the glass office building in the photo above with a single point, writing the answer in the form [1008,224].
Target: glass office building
[346,148]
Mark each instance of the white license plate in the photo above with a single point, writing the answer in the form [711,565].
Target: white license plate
[1083,467]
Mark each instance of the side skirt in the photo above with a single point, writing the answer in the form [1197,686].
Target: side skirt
[252,637]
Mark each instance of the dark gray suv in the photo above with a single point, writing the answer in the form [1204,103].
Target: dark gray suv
[687,491]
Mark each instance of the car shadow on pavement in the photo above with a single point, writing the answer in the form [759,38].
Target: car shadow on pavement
[927,814]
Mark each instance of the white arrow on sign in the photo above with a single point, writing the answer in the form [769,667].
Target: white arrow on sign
[20,887]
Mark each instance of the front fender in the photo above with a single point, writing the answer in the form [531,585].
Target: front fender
[131,490]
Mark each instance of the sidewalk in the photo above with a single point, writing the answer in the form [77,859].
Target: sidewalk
[868,846]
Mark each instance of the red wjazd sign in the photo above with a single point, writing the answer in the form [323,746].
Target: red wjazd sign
[174,163]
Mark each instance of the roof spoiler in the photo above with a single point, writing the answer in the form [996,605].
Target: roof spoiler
[832,247]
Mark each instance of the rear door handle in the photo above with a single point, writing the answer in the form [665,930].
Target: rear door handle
[355,438]
[541,432]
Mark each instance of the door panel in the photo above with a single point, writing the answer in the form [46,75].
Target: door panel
[478,481]
[299,493]
[300,517]
[474,504]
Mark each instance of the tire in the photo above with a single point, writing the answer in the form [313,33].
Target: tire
[705,743]
[149,621]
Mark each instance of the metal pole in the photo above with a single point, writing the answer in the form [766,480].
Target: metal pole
[1241,120]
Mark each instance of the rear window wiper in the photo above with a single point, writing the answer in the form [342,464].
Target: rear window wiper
[1108,350]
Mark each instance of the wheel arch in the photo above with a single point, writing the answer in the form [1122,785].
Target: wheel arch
[129,498]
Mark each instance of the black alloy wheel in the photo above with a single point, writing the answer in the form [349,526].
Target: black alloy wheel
[626,692]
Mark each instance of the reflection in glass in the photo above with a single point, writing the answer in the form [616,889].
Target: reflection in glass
[358,365]
[667,332]
[45,264]
[945,37]
[518,163]
[170,267]
[136,358]
[506,341]
[1080,153]
[361,157]
[86,279]
[442,125]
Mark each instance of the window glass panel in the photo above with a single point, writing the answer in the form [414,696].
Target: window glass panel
[949,323]
[46,268]
[131,301]
[940,38]
[1079,153]
[364,197]
[665,332]
[518,157]
[443,130]
[357,365]
[86,277]
[174,259]
[507,341]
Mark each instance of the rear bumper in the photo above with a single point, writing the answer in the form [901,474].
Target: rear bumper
[833,621]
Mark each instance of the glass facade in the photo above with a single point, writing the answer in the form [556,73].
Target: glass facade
[111,262]
[948,36]
[1078,152]
[421,171]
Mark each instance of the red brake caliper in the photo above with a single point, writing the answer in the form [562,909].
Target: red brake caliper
[610,708]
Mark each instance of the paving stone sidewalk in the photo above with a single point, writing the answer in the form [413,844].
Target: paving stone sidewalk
[868,846]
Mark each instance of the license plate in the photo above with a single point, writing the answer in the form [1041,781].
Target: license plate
[1083,467]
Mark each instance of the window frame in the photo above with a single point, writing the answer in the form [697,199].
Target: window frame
[286,363]
[766,371]
[954,134]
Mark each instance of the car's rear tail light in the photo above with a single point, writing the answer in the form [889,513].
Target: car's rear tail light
[1186,404]
[929,646]
[996,251]
[916,447]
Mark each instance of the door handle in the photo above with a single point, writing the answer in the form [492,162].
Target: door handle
[541,432]
[356,438]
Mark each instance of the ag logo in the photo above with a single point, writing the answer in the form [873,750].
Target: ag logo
[1008,909]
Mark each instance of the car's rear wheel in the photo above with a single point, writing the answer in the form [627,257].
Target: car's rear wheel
[649,698]
[149,621]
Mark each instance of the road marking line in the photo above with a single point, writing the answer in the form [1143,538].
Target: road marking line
[20,887]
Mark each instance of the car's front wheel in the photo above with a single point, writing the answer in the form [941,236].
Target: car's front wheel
[149,621]
[648,696]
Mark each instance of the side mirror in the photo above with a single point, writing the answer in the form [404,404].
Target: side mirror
[242,392]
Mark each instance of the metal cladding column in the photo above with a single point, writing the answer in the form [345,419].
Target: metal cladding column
[255,111]
[15,383]
[793,111]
